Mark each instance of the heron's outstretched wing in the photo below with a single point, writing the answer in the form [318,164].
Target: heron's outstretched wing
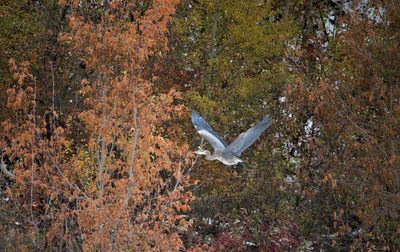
[207,132]
[244,140]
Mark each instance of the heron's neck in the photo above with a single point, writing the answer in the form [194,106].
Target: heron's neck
[210,157]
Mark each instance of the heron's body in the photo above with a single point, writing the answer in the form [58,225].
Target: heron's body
[224,157]
[227,154]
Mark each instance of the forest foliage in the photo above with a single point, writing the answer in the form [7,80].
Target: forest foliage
[96,141]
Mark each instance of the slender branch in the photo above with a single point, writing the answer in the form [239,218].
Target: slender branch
[178,181]
[33,156]
[100,159]
[66,179]
[364,131]
[53,85]
[135,142]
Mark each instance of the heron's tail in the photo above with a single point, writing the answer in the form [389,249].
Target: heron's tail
[244,164]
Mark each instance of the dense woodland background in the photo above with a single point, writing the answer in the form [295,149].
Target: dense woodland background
[96,140]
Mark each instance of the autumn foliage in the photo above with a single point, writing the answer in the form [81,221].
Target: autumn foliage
[96,138]
[122,186]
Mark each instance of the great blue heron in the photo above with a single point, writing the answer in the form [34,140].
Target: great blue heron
[227,154]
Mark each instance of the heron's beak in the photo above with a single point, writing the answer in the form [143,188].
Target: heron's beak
[200,152]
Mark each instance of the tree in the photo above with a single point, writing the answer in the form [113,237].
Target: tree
[348,156]
[123,186]
[234,53]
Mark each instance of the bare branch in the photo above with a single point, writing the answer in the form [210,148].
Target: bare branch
[135,142]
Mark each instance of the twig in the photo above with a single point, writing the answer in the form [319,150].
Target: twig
[188,171]
[33,157]
[66,179]
[53,85]
[135,142]
[364,131]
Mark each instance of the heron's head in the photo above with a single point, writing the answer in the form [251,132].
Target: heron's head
[202,152]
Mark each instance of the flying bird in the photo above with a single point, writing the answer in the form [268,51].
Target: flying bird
[227,154]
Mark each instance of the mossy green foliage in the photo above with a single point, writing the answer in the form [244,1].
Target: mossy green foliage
[25,34]
[234,51]
[21,21]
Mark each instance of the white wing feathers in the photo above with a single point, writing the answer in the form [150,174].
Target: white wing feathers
[241,143]
[205,130]
[244,140]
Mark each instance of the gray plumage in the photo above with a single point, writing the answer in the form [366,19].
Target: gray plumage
[228,154]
